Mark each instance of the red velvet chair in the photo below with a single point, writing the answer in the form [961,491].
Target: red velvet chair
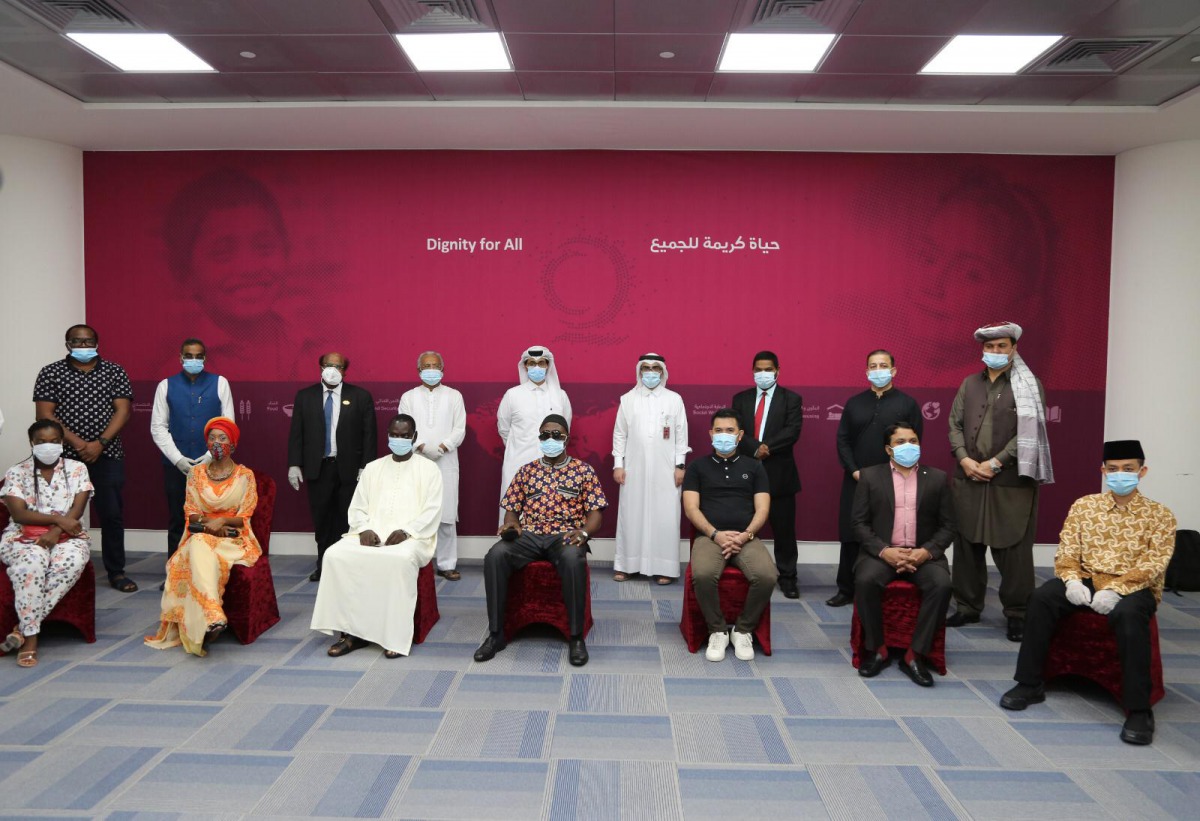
[1084,645]
[77,608]
[901,602]
[250,605]
[535,596]
[426,615]
[732,589]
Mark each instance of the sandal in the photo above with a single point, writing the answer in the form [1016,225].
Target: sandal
[620,576]
[214,630]
[452,575]
[123,583]
[12,641]
[27,658]
[346,644]
[391,654]
[662,581]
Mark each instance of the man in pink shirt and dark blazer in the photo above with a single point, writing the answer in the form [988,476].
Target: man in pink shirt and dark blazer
[903,519]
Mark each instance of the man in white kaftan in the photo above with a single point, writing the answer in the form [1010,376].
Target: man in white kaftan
[523,408]
[368,586]
[442,420]
[650,445]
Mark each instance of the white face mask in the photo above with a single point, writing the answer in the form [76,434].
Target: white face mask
[47,453]
[331,376]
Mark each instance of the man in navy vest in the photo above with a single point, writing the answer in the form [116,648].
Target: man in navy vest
[183,404]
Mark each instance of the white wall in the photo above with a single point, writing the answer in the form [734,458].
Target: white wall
[1154,320]
[41,272]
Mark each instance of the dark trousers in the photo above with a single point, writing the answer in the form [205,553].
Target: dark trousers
[872,574]
[782,518]
[175,487]
[108,483]
[970,576]
[328,500]
[845,574]
[505,557]
[1130,623]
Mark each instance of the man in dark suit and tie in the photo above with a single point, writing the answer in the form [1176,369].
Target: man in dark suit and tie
[331,440]
[903,519]
[771,417]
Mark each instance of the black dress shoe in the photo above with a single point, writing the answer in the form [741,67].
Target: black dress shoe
[789,588]
[577,653]
[1016,629]
[840,599]
[1139,727]
[917,671]
[959,618]
[1021,696]
[872,664]
[490,647]
[315,576]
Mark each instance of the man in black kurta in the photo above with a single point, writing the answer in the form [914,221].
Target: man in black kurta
[860,444]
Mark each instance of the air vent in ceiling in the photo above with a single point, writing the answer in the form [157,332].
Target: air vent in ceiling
[1107,56]
[415,16]
[795,16]
[78,15]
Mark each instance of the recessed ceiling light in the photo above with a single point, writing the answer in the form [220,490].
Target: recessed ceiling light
[476,51]
[989,53]
[249,55]
[774,52]
[141,51]
[666,55]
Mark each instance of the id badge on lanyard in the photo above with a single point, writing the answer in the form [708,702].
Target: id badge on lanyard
[666,427]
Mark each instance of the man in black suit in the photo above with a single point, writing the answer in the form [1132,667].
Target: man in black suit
[903,520]
[332,439]
[771,417]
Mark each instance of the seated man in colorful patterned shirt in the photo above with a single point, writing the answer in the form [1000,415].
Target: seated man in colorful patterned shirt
[1112,557]
[552,507]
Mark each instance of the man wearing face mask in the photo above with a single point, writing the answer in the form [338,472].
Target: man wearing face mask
[368,589]
[443,425]
[727,498]
[332,438]
[523,408]
[552,509]
[1112,557]
[771,416]
[903,520]
[861,443]
[92,398]
[183,404]
[998,437]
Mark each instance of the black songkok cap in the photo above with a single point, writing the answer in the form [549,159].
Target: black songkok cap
[1123,449]
[554,417]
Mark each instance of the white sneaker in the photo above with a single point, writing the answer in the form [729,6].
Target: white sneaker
[743,645]
[717,642]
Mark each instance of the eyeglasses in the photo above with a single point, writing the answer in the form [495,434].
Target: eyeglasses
[552,434]
[82,342]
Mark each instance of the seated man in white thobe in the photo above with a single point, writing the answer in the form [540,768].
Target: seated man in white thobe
[368,589]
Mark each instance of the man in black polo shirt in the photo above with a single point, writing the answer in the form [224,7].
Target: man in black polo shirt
[92,399]
[727,498]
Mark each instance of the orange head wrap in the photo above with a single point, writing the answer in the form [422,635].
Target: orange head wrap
[224,423]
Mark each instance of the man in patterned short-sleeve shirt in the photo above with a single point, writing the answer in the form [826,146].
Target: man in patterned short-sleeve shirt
[92,398]
[552,507]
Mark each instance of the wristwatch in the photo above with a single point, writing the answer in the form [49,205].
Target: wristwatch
[103,441]
[713,535]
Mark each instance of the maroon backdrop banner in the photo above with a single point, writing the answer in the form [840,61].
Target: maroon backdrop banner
[273,257]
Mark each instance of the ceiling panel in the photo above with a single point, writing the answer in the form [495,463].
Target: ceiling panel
[579,16]
[49,53]
[560,52]
[567,85]
[105,88]
[375,86]
[1141,18]
[1138,90]
[693,52]
[318,16]
[288,86]
[197,88]
[468,85]
[13,21]
[224,53]
[674,16]
[913,17]
[1175,58]
[329,53]
[881,55]
[757,88]
[1043,90]
[196,16]
[863,89]
[795,16]
[662,86]
[1067,17]
[944,89]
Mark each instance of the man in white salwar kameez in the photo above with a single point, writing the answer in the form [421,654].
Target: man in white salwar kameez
[523,408]
[368,586]
[442,418]
[650,445]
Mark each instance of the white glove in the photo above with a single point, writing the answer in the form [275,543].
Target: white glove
[203,460]
[1077,593]
[1104,601]
[295,477]
[184,465]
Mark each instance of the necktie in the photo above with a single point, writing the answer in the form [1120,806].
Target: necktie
[758,414]
[328,422]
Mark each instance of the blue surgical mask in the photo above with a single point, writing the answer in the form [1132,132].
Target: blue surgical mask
[996,361]
[907,454]
[765,379]
[399,445]
[651,379]
[724,442]
[84,354]
[193,366]
[1121,483]
[537,374]
[880,378]
[431,376]
[552,447]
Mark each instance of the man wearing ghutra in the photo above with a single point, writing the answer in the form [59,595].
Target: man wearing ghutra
[998,436]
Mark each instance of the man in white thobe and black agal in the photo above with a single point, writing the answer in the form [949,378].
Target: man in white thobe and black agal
[442,419]
[650,444]
[368,586]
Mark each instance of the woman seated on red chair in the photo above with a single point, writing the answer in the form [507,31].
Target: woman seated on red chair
[221,497]
[44,546]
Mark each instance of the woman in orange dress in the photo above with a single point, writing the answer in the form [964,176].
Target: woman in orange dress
[220,500]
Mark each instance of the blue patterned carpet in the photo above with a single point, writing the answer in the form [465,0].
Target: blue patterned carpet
[646,730]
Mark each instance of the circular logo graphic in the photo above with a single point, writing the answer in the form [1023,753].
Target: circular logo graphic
[931,410]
